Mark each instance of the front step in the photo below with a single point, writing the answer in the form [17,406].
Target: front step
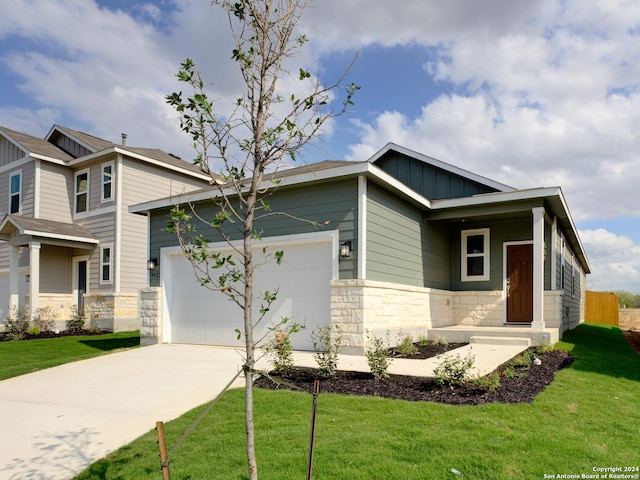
[515,341]
[464,333]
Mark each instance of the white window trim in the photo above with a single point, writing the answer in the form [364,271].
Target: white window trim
[104,199]
[19,175]
[75,190]
[103,247]
[563,253]
[464,255]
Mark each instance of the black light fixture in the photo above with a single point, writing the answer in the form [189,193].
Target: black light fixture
[152,264]
[345,249]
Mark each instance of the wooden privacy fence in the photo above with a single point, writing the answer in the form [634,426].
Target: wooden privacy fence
[601,307]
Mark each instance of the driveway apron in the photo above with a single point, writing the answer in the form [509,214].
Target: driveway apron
[58,421]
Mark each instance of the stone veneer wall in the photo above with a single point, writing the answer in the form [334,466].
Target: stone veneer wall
[61,304]
[478,309]
[150,314]
[361,306]
[114,312]
[553,309]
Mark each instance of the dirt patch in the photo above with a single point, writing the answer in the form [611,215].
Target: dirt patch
[517,385]
[630,325]
[629,319]
[634,340]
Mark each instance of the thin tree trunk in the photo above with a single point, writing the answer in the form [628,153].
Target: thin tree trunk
[248,329]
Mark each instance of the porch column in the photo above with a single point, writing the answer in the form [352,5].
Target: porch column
[538,268]
[34,276]
[14,285]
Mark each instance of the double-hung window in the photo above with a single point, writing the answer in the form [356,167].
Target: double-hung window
[106,264]
[475,255]
[107,181]
[82,191]
[15,193]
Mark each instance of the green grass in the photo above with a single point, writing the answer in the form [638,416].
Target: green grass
[588,417]
[26,356]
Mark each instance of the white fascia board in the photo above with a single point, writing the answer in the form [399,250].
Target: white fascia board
[128,153]
[57,161]
[13,165]
[440,164]
[70,238]
[497,197]
[357,168]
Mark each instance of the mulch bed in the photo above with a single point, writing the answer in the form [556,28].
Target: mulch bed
[519,389]
[427,350]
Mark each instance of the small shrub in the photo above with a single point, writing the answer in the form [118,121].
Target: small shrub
[77,320]
[280,353]
[327,344]
[406,346]
[378,357]
[43,319]
[423,340]
[454,370]
[489,382]
[440,340]
[16,324]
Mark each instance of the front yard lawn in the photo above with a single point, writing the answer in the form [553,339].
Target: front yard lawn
[587,418]
[25,356]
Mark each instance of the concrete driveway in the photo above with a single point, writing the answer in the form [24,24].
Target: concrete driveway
[57,421]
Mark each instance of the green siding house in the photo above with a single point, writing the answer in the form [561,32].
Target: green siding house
[434,250]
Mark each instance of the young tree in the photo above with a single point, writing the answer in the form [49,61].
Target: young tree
[265,128]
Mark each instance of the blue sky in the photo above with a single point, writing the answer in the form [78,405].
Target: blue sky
[529,93]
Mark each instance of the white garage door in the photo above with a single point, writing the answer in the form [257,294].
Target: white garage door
[200,316]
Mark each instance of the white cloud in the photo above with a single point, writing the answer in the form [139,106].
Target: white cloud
[615,261]
[547,97]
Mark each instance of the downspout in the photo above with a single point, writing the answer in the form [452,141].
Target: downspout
[362,230]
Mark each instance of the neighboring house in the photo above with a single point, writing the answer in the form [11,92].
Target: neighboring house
[406,243]
[66,236]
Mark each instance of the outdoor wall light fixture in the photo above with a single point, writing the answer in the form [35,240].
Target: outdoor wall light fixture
[151,264]
[345,249]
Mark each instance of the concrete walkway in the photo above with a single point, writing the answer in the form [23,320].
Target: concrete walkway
[487,358]
[58,421]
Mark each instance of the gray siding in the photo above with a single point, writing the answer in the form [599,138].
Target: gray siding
[72,148]
[429,181]
[28,186]
[102,226]
[508,230]
[332,205]
[55,269]
[401,247]
[56,192]
[140,183]
[9,152]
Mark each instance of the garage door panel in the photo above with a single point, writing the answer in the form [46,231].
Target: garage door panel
[200,316]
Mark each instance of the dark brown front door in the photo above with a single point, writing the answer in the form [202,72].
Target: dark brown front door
[519,283]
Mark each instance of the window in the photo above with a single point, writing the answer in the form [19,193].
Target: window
[15,191]
[106,262]
[107,181]
[82,191]
[475,255]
